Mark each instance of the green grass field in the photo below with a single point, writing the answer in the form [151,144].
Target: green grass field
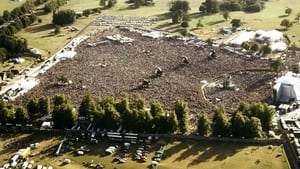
[177,154]
[9,5]
[39,35]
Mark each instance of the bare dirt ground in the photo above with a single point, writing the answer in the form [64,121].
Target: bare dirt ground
[112,69]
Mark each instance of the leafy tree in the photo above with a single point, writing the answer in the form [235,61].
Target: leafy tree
[99,117]
[60,99]
[12,29]
[44,105]
[87,106]
[254,47]
[178,10]
[102,3]
[254,128]
[165,123]
[244,108]
[204,125]
[3,54]
[33,108]
[51,6]
[18,24]
[123,105]
[16,12]
[111,3]
[86,13]
[21,116]
[226,15]
[7,16]
[32,18]
[156,108]
[286,23]
[182,5]
[255,7]
[239,124]
[264,113]
[138,102]
[236,23]
[266,49]
[230,6]
[172,122]
[64,116]
[7,112]
[112,117]
[185,24]
[141,120]
[220,125]
[209,7]
[199,23]
[276,64]
[182,112]
[2,20]
[62,17]
[288,11]
[127,121]
[245,45]
[177,16]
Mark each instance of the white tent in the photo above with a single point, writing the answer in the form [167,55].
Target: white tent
[287,88]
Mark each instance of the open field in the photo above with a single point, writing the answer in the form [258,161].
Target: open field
[267,19]
[39,35]
[177,154]
[9,5]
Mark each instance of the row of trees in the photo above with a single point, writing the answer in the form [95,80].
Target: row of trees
[139,3]
[17,19]
[215,6]
[17,12]
[248,121]
[112,113]
[109,113]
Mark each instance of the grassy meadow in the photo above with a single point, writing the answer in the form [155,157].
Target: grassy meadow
[9,5]
[40,35]
[177,154]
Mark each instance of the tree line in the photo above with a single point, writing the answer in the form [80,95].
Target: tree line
[248,121]
[12,22]
[109,113]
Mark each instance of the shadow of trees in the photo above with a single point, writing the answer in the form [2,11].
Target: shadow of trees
[216,22]
[13,142]
[40,28]
[203,151]
[216,152]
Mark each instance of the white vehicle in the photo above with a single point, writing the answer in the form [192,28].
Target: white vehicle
[110,149]
[80,152]
[25,165]
[67,161]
